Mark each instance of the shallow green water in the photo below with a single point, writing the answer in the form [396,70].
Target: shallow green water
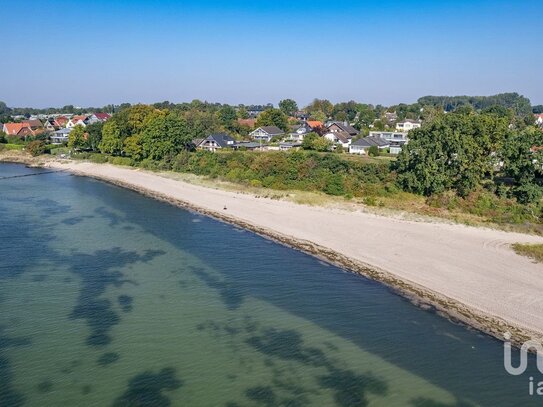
[111,298]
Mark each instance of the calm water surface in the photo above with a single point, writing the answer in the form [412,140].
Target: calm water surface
[111,298]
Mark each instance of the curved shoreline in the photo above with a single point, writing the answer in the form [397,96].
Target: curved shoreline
[419,295]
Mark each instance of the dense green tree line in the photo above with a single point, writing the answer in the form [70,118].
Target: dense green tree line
[308,171]
[465,151]
[519,104]
[145,132]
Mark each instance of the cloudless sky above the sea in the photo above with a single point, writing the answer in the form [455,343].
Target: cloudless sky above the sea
[92,53]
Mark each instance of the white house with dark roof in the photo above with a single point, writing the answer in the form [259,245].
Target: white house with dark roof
[266,133]
[396,139]
[339,138]
[216,142]
[362,145]
[334,127]
[298,132]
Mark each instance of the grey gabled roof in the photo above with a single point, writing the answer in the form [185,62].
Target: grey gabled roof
[294,129]
[345,127]
[221,139]
[272,130]
[342,136]
[63,131]
[371,141]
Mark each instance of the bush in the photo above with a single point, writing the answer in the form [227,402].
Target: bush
[121,161]
[60,150]
[373,151]
[181,162]
[98,158]
[370,201]
[528,193]
[14,146]
[36,148]
[334,185]
[14,140]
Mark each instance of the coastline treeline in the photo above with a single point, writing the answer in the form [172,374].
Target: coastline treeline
[481,158]
[483,163]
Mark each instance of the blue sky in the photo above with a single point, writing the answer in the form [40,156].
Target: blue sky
[100,52]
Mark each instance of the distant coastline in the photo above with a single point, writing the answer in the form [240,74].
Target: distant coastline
[491,315]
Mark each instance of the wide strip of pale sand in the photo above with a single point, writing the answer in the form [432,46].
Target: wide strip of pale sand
[469,273]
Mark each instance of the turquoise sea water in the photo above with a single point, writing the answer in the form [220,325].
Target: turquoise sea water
[110,298]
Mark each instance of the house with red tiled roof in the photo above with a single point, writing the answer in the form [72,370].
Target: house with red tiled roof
[51,125]
[61,121]
[81,120]
[314,124]
[34,124]
[17,129]
[99,117]
[539,119]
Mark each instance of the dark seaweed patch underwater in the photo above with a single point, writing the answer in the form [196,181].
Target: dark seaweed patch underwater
[147,389]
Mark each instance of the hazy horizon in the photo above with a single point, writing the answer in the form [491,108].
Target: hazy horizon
[275,103]
[261,52]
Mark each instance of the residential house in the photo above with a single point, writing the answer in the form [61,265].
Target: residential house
[391,117]
[51,125]
[22,130]
[396,139]
[301,115]
[78,120]
[255,110]
[60,136]
[99,117]
[539,119]
[334,127]
[216,142]
[407,125]
[339,138]
[35,125]
[298,131]
[266,133]
[61,121]
[314,124]
[362,145]
[196,141]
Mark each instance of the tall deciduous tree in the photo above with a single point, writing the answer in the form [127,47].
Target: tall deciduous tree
[522,161]
[288,106]
[112,139]
[165,136]
[94,135]
[227,116]
[321,105]
[76,138]
[455,151]
[273,117]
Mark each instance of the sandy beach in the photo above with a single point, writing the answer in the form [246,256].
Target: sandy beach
[471,274]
